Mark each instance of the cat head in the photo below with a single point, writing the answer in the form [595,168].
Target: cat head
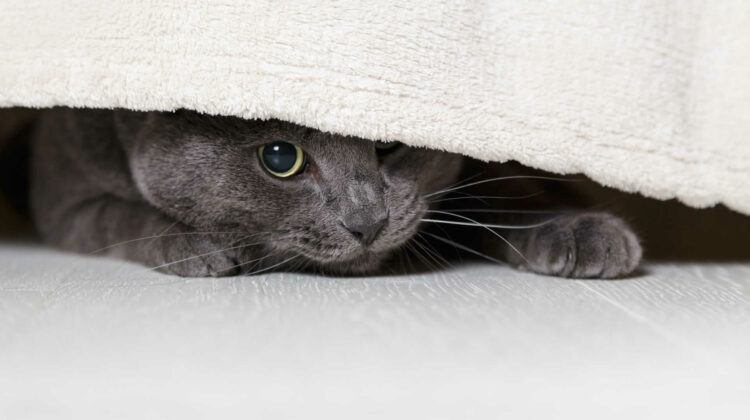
[339,202]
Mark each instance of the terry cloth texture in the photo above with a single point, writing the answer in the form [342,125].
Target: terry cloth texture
[650,96]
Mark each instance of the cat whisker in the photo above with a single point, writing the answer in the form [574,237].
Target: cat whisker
[305,265]
[485,226]
[300,266]
[270,267]
[488,197]
[461,181]
[202,255]
[446,233]
[479,224]
[509,211]
[501,178]
[465,248]
[465,196]
[429,265]
[257,260]
[458,183]
[431,252]
[161,236]
[401,252]
[407,255]
[248,237]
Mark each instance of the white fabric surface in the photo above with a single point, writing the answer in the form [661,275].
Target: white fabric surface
[84,338]
[650,96]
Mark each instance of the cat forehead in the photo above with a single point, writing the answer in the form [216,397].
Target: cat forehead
[315,141]
[322,146]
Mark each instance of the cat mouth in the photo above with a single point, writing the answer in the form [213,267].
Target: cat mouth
[341,257]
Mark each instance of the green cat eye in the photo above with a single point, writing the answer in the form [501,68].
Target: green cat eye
[282,159]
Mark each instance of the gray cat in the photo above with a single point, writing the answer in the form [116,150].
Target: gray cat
[198,195]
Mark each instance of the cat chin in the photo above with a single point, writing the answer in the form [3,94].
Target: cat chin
[361,264]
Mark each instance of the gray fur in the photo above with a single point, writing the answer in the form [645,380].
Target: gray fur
[103,177]
[588,245]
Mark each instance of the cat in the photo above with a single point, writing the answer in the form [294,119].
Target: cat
[197,195]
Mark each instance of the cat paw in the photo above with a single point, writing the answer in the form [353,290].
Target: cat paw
[196,256]
[590,245]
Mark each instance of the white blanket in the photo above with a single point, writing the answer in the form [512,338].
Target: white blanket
[650,96]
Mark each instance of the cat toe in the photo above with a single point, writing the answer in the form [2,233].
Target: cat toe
[606,247]
[197,257]
[553,252]
[221,266]
[596,245]
[216,266]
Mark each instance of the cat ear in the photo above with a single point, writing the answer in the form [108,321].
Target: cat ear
[382,145]
[386,148]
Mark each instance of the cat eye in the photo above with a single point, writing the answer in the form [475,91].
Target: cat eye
[282,159]
[384,148]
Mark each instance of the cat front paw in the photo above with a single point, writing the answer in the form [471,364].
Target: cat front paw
[589,245]
[195,255]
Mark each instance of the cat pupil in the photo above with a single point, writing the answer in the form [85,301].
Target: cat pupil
[282,158]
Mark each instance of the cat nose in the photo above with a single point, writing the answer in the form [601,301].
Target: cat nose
[364,226]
